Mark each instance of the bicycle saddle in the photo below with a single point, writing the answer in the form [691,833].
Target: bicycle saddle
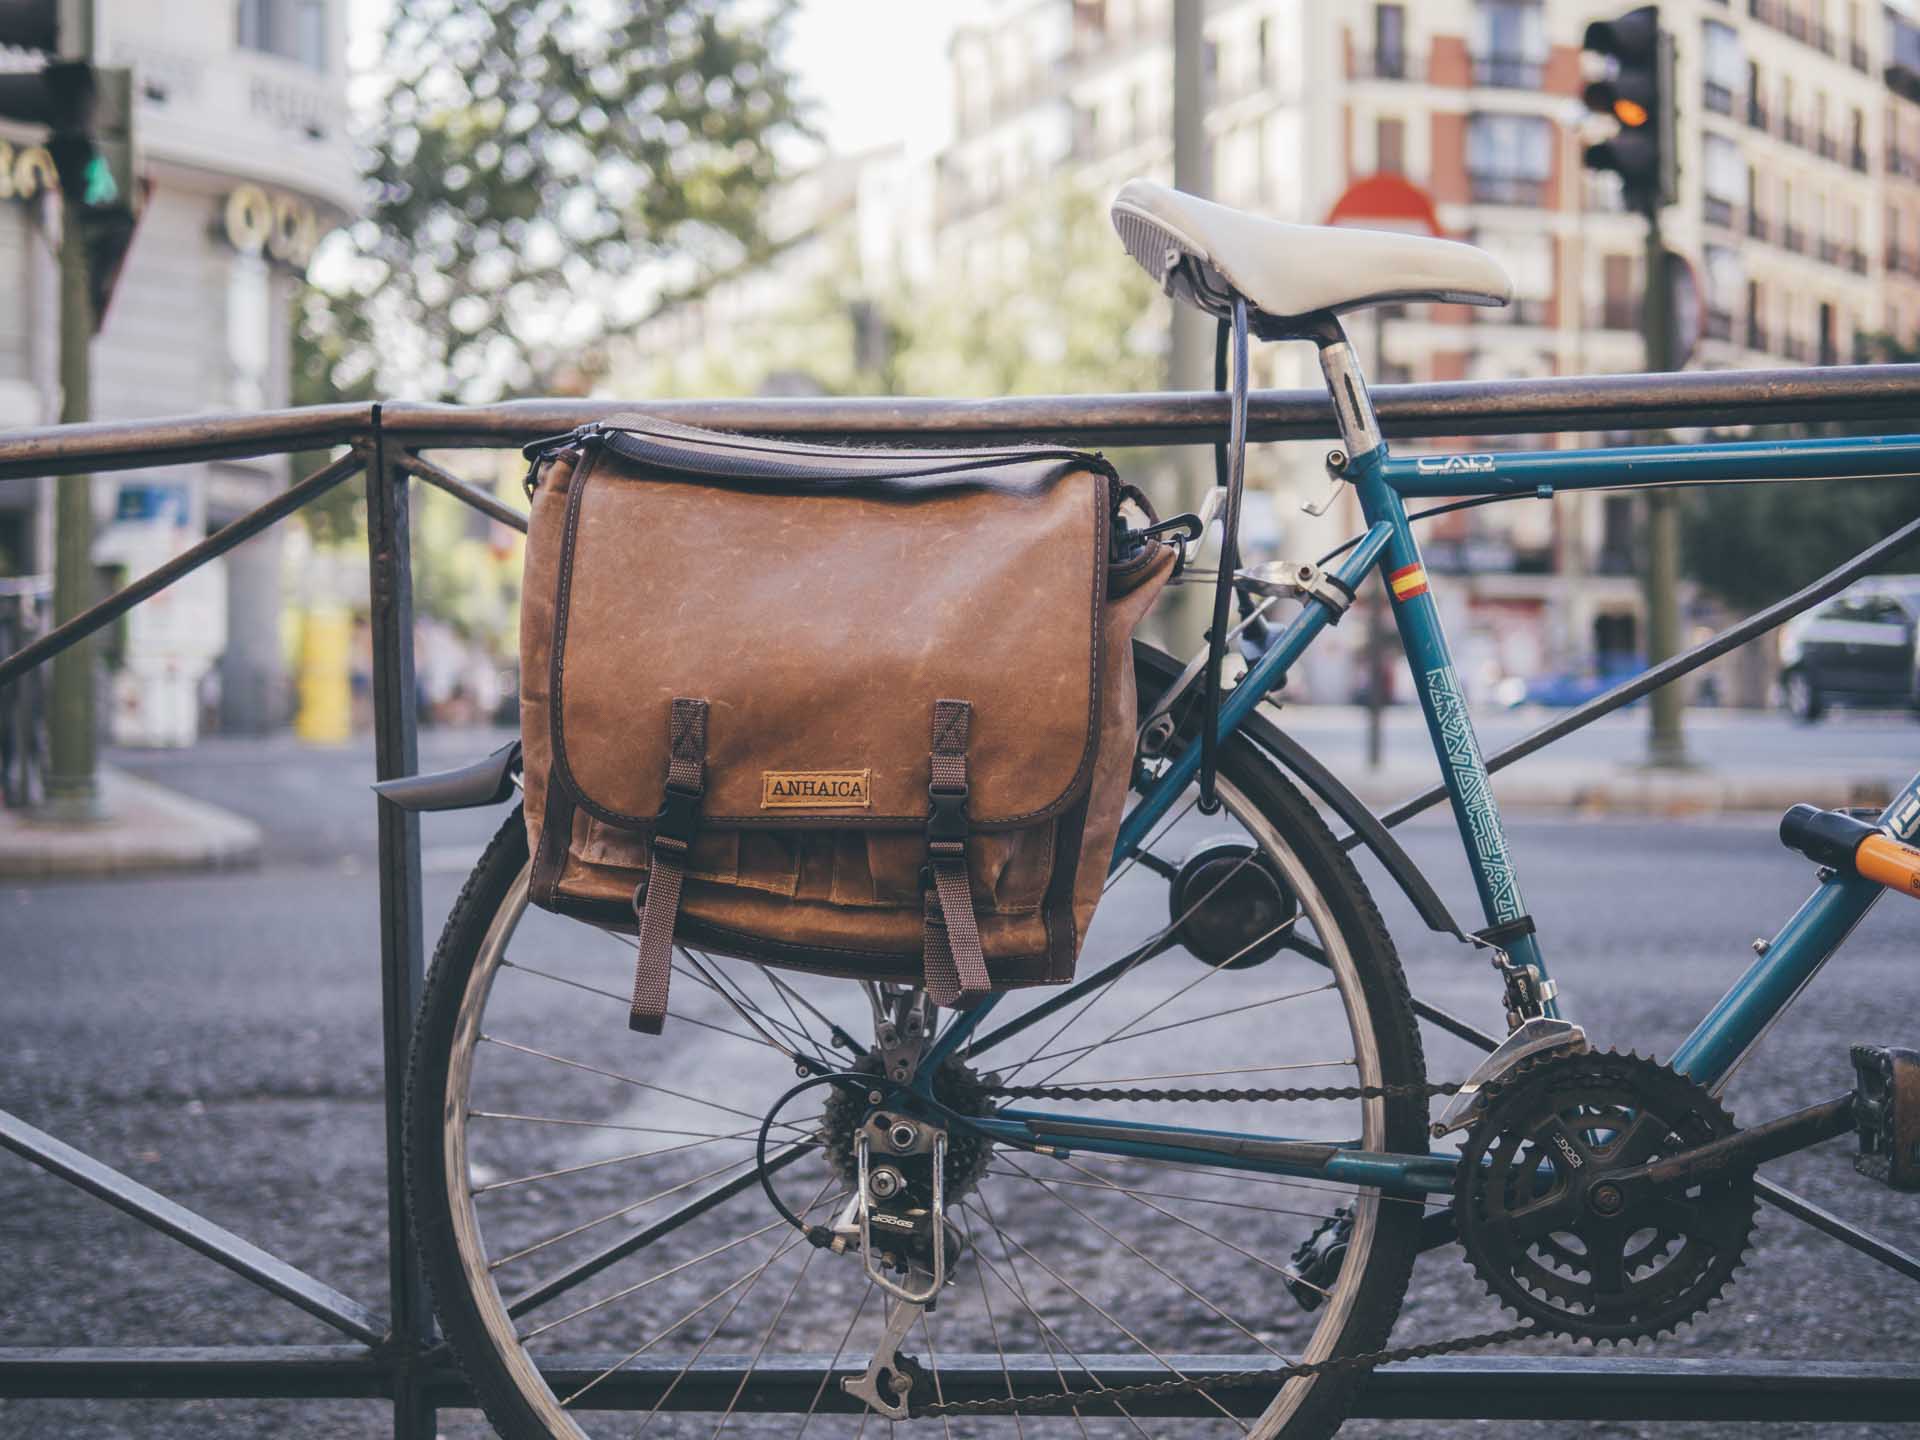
[1202,253]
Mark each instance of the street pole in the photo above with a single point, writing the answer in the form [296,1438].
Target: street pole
[1666,746]
[1190,354]
[73,784]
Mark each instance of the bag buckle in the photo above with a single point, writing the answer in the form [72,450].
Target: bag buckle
[679,817]
[946,828]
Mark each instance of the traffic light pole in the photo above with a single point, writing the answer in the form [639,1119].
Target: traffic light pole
[1666,746]
[73,781]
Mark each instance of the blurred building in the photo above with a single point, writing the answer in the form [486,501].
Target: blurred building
[243,153]
[1799,208]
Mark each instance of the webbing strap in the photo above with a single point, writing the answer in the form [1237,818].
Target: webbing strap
[955,965]
[672,837]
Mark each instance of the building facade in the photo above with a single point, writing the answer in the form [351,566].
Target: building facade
[244,160]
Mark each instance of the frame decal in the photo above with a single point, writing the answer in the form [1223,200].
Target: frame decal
[1408,581]
[1476,796]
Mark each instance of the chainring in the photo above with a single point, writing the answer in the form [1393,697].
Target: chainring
[1531,1200]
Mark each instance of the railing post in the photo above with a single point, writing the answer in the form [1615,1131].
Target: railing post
[402,961]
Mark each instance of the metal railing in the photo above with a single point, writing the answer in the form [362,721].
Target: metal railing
[396,1355]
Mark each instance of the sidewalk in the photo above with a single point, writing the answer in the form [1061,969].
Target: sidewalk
[1540,783]
[150,828]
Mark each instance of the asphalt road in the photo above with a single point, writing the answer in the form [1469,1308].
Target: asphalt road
[217,1037]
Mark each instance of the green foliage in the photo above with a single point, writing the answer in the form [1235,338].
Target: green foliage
[1062,311]
[1751,544]
[529,158]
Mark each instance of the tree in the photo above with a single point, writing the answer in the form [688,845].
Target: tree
[529,159]
[1751,544]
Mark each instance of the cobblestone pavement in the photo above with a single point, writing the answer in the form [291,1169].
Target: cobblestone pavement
[217,1036]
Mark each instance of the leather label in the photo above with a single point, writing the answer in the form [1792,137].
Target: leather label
[816,789]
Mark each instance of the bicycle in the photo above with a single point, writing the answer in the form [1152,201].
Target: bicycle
[690,1224]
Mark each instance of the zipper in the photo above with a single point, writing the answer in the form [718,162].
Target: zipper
[715,458]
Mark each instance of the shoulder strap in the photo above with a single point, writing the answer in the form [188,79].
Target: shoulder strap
[955,965]
[673,831]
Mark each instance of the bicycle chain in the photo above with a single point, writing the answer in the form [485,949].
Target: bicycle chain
[1313,1092]
[1277,1375]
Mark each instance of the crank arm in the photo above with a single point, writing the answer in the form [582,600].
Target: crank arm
[883,1385]
[1743,1150]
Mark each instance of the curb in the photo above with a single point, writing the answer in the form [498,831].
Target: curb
[1603,790]
[151,829]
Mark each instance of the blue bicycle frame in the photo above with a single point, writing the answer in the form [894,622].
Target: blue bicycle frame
[1383,483]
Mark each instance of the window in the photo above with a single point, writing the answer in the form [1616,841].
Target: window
[1726,277]
[1390,41]
[1390,145]
[1509,157]
[1726,178]
[292,29]
[1722,67]
[1510,43]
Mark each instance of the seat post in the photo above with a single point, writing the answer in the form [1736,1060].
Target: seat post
[1352,406]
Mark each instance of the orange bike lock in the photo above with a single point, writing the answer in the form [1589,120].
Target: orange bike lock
[1852,846]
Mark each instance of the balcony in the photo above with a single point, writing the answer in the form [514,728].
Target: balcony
[1901,162]
[1832,252]
[1718,212]
[1896,259]
[1718,325]
[1507,189]
[1857,53]
[1822,40]
[1827,147]
[1858,158]
[1516,312]
[1856,260]
[1758,226]
[1792,131]
[1795,25]
[1765,11]
[1794,239]
[1792,347]
[1383,65]
[1756,113]
[1756,333]
[1507,72]
[1716,97]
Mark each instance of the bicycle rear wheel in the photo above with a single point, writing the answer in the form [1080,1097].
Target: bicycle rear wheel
[595,1234]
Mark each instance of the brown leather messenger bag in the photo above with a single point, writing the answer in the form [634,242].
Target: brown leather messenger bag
[861,712]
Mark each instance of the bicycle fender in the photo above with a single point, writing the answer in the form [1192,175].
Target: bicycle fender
[1332,792]
[470,787]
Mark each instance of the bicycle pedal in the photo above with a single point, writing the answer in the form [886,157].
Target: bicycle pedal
[1886,1109]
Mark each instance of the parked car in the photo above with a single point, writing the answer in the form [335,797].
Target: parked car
[1566,688]
[1857,649]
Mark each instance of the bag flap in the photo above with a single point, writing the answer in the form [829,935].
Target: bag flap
[821,622]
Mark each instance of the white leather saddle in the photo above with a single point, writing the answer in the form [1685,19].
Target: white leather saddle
[1202,253]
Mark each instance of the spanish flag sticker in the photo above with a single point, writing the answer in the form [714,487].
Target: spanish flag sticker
[1408,582]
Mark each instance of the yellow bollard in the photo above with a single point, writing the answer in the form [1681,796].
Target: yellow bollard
[325,716]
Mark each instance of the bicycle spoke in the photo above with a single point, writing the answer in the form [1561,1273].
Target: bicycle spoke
[636,1288]
[1155,945]
[745,1006]
[1152,840]
[1081,1051]
[1197,1229]
[1324,1187]
[826,1376]
[1173,1195]
[627,1079]
[999,1347]
[766,1335]
[1042,1328]
[557,1285]
[1108,1316]
[596,1124]
[780,1253]
[624,1210]
[1212,1074]
[1146,1260]
[741,1136]
[933,1365]
[1019,1292]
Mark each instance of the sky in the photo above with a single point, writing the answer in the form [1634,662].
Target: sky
[878,68]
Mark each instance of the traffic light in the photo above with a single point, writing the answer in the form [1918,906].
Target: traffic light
[88,115]
[1636,91]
